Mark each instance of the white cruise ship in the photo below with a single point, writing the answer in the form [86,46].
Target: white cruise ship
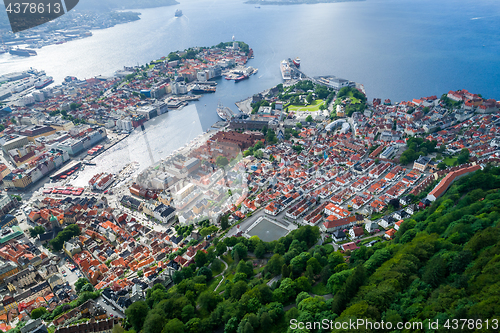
[286,72]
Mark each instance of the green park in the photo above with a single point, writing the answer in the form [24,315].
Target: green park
[314,106]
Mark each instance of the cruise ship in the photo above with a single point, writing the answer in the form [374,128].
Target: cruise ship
[286,72]
[43,82]
[178,13]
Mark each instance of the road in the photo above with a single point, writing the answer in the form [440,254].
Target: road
[109,309]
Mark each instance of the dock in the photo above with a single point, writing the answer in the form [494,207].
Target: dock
[220,124]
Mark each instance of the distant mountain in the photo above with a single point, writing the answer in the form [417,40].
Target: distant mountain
[123,4]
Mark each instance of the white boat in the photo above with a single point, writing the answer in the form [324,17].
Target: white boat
[224,113]
[286,72]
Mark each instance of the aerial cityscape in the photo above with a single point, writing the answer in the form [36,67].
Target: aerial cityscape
[225,188]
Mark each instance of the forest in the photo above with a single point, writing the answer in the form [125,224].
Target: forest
[443,264]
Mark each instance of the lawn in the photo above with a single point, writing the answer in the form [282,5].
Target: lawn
[354,100]
[213,284]
[320,289]
[222,266]
[228,259]
[450,161]
[314,106]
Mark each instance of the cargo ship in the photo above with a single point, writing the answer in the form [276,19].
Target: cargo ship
[224,113]
[178,13]
[198,89]
[43,82]
[296,62]
[23,52]
[286,72]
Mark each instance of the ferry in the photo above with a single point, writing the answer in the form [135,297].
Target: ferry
[286,72]
[296,62]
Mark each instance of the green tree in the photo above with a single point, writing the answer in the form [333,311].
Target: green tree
[298,125]
[279,248]
[238,289]
[188,312]
[174,326]
[38,312]
[208,300]
[240,250]
[153,323]
[464,156]
[224,222]
[38,230]
[265,320]
[200,258]
[260,250]
[80,283]
[309,118]
[435,271]
[314,263]
[87,288]
[206,272]
[244,267]
[204,232]
[136,314]
[303,284]
[441,165]
[220,248]
[221,161]
[275,263]
[309,98]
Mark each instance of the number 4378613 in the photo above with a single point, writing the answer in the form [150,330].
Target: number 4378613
[477,324]
[33,8]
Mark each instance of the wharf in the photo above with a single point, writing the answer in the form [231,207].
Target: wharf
[220,124]
[206,83]
[106,146]
[187,98]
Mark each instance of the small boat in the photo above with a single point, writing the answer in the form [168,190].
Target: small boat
[178,13]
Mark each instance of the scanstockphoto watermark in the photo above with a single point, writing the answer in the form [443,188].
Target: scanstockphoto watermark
[26,14]
[363,325]
[358,324]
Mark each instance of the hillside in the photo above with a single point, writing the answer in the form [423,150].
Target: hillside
[443,264]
